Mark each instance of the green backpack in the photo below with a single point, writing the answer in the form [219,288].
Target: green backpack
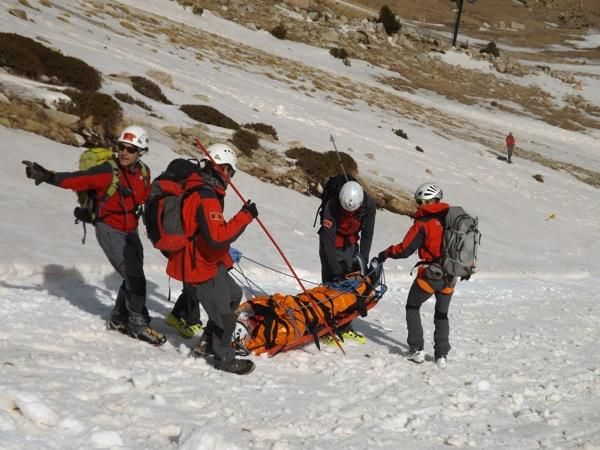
[87,211]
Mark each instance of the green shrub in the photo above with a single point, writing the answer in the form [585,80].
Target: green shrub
[104,111]
[280,31]
[149,89]
[245,141]
[262,128]
[318,167]
[339,52]
[29,58]
[209,115]
[491,49]
[389,21]
[126,98]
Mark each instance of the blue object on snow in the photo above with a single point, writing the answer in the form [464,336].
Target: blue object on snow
[235,254]
[346,285]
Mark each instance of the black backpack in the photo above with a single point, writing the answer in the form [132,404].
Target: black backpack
[332,189]
[162,213]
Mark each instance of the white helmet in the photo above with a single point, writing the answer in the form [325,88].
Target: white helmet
[429,191]
[351,196]
[135,135]
[222,154]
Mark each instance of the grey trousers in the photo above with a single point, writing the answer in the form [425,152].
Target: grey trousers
[126,254]
[441,334]
[220,297]
[509,149]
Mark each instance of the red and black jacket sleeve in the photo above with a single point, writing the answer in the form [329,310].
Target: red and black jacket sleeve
[217,233]
[413,240]
[99,177]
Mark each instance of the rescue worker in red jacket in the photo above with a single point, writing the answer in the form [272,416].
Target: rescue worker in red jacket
[347,229]
[116,223]
[203,265]
[510,146]
[425,235]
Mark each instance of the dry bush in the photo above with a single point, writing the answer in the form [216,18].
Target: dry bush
[280,31]
[149,89]
[390,23]
[26,57]
[262,128]
[318,167]
[126,98]
[339,52]
[29,116]
[198,10]
[103,111]
[491,49]
[245,141]
[209,115]
[538,177]
[46,3]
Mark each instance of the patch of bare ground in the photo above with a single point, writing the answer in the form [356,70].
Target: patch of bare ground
[29,116]
[436,76]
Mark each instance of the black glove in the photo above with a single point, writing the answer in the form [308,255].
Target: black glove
[250,206]
[381,257]
[465,278]
[36,172]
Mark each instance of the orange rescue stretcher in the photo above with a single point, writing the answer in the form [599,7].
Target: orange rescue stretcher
[275,323]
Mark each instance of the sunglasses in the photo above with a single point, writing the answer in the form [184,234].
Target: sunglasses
[131,149]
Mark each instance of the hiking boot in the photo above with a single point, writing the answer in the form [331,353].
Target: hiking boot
[441,361]
[117,324]
[138,328]
[149,335]
[239,367]
[329,341]
[181,326]
[416,355]
[204,347]
[353,335]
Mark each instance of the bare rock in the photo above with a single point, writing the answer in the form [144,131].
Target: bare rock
[330,36]
[517,26]
[18,13]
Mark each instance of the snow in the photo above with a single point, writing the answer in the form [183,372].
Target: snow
[524,370]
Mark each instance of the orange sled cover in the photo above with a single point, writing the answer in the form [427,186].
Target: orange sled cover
[279,322]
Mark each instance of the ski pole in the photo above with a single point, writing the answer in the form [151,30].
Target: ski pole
[332,139]
[241,197]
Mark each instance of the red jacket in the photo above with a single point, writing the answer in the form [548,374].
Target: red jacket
[120,210]
[203,219]
[510,140]
[425,235]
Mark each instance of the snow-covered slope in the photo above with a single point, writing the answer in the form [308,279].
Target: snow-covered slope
[524,370]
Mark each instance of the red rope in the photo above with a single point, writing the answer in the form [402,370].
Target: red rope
[239,194]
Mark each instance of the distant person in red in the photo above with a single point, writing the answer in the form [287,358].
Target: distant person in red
[510,146]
